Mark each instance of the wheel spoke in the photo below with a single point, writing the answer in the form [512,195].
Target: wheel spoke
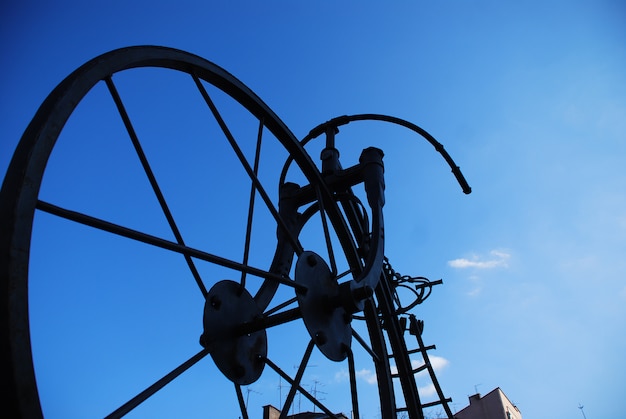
[329,245]
[164,244]
[281,306]
[297,380]
[353,390]
[144,395]
[302,391]
[257,184]
[153,182]
[242,404]
[365,345]
[257,155]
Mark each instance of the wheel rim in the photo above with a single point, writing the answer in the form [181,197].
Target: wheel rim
[20,195]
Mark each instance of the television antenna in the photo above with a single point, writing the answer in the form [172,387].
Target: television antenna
[248,391]
[315,391]
[476,388]
[300,393]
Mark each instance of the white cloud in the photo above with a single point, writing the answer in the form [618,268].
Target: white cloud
[341,375]
[364,374]
[438,363]
[427,391]
[497,259]
[367,375]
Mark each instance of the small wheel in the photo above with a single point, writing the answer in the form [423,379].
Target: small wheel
[129,223]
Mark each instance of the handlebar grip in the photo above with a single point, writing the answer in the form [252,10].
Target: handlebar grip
[467,189]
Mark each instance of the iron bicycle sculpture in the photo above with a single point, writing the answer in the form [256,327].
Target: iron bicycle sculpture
[347,281]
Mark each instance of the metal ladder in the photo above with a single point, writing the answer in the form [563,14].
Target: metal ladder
[416,328]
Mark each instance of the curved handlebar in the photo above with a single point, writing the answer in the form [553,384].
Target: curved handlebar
[345,119]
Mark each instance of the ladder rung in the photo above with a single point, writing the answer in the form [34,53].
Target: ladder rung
[415,371]
[414,351]
[438,402]
[419,369]
[426,348]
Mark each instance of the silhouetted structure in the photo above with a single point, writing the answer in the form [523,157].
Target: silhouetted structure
[270,412]
[493,405]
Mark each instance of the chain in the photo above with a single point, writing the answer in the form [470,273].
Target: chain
[420,287]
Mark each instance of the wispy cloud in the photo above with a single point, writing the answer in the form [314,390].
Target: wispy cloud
[364,374]
[368,376]
[427,391]
[497,259]
[438,363]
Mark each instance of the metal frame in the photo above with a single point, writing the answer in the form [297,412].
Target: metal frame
[329,192]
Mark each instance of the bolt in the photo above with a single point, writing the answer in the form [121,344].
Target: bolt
[206,342]
[320,338]
[311,260]
[216,303]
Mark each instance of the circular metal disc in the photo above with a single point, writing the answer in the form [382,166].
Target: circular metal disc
[239,356]
[327,323]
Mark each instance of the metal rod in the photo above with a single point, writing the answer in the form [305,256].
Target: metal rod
[265,323]
[281,306]
[329,245]
[436,403]
[297,380]
[302,391]
[257,154]
[345,119]
[294,241]
[242,404]
[163,244]
[144,395]
[153,182]
[365,346]
[341,275]
[353,390]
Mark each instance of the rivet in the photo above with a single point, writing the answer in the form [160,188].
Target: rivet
[320,338]
[216,303]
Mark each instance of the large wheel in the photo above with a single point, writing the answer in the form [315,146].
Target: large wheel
[129,224]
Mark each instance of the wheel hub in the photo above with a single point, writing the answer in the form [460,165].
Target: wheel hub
[239,355]
[327,322]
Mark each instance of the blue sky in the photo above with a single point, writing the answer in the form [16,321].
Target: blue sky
[528,97]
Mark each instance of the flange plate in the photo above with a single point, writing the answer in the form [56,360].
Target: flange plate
[239,356]
[327,322]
